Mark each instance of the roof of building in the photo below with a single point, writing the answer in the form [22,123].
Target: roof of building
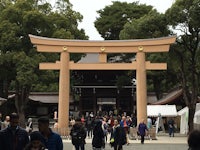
[2,99]
[163,110]
[170,97]
[89,58]
[51,97]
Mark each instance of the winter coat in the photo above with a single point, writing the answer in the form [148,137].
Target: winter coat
[98,135]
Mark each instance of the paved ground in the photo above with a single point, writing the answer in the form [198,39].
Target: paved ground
[132,146]
[163,142]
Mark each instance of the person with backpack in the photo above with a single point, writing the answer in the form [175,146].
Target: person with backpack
[78,135]
[118,136]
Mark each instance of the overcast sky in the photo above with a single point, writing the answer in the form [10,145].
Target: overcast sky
[88,9]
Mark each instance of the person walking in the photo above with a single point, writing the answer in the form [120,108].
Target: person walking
[98,142]
[142,129]
[78,135]
[51,140]
[118,136]
[13,137]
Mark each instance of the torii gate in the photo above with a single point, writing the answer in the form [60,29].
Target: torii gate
[65,47]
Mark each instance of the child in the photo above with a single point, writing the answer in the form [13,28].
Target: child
[35,142]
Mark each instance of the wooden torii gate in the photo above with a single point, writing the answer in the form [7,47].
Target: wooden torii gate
[65,47]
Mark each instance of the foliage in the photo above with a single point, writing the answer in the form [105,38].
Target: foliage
[183,16]
[151,25]
[19,60]
[112,18]
[122,81]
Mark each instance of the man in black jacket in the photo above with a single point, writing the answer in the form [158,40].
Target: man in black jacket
[78,135]
[118,136]
[13,137]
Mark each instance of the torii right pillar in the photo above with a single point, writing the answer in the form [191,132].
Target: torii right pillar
[141,89]
[141,66]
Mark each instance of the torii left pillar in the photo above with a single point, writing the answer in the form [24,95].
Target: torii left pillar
[63,107]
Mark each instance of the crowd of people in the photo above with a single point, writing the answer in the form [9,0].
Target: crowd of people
[100,128]
[14,137]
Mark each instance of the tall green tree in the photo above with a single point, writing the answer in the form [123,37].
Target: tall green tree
[183,16]
[112,18]
[18,59]
[151,25]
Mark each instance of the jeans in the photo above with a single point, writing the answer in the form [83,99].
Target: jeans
[171,132]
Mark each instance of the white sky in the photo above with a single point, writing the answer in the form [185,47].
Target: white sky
[88,9]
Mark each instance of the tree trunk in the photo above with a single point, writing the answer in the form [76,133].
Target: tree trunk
[191,117]
[21,99]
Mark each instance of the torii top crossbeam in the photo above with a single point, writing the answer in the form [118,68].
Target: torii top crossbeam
[110,46]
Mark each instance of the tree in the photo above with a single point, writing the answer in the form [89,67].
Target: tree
[113,18]
[19,60]
[184,17]
[151,25]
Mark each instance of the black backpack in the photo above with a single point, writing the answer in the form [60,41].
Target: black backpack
[76,135]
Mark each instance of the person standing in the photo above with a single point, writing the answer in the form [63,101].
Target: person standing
[13,137]
[105,128]
[6,122]
[89,124]
[149,123]
[118,136]
[29,126]
[124,123]
[78,135]
[171,127]
[51,140]
[142,129]
[98,141]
